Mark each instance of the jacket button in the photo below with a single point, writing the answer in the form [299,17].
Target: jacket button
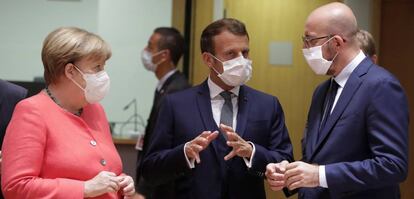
[103,162]
[93,142]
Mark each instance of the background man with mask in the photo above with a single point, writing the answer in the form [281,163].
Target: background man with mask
[161,55]
[230,164]
[355,143]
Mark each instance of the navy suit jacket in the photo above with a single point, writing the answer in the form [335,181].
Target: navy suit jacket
[10,94]
[184,115]
[364,143]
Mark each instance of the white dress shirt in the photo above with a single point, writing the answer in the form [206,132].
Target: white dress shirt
[217,102]
[341,79]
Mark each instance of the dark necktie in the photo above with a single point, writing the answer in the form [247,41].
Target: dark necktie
[328,103]
[226,116]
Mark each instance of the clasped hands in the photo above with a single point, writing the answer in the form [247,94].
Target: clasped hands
[106,182]
[240,147]
[292,175]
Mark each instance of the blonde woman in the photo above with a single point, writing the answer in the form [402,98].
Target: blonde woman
[58,143]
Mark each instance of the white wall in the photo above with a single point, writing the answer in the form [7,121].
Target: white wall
[23,26]
[125,24]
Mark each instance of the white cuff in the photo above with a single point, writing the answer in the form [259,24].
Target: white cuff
[190,163]
[247,161]
[322,177]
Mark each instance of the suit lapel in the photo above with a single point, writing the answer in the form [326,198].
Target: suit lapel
[351,86]
[243,110]
[314,119]
[204,107]
[167,82]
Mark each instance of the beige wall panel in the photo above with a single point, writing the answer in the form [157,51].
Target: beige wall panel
[202,16]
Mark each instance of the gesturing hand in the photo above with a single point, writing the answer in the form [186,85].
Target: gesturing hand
[300,174]
[240,147]
[193,148]
[102,183]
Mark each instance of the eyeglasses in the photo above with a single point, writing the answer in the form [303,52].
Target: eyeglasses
[310,38]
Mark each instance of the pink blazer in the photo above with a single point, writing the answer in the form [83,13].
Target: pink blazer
[50,153]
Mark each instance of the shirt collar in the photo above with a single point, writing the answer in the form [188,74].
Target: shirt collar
[215,90]
[343,76]
[164,78]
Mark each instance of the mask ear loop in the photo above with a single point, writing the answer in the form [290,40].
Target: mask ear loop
[213,67]
[326,43]
[76,83]
[158,53]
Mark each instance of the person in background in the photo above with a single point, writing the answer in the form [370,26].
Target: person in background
[355,144]
[367,44]
[161,55]
[10,95]
[58,143]
[188,149]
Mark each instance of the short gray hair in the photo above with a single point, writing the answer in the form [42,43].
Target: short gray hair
[68,45]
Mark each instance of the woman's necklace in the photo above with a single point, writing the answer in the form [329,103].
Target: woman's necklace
[78,113]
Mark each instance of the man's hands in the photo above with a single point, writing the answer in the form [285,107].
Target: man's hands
[275,174]
[193,148]
[292,175]
[240,147]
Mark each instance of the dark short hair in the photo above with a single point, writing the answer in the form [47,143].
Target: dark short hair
[172,40]
[234,26]
[366,43]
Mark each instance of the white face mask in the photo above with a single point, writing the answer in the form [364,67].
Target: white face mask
[146,58]
[236,72]
[315,59]
[97,85]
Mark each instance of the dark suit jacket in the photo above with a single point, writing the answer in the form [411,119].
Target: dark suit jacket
[184,115]
[174,83]
[364,143]
[10,94]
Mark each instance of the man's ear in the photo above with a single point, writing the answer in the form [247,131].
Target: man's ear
[207,59]
[166,54]
[338,42]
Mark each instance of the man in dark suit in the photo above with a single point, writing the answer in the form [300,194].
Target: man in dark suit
[10,95]
[161,55]
[188,148]
[355,143]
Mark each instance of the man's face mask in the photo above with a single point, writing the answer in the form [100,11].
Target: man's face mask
[315,59]
[97,85]
[236,72]
[146,58]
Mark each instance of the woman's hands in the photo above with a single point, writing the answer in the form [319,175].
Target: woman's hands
[106,182]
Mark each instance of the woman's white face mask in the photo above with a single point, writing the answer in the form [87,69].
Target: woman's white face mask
[315,59]
[97,85]
[236,72]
